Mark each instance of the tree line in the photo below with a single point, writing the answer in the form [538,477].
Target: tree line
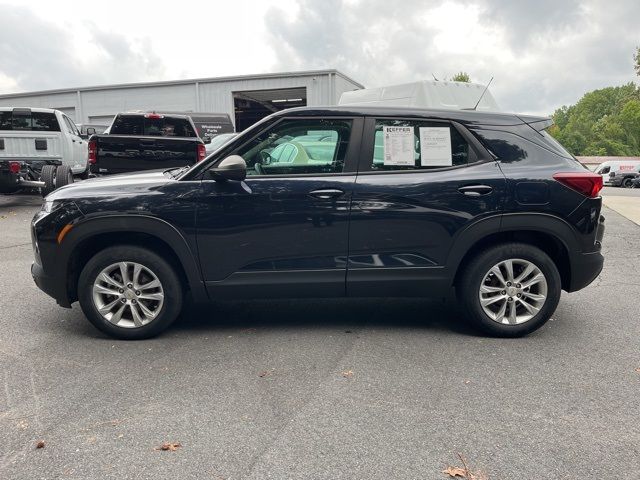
[604,122]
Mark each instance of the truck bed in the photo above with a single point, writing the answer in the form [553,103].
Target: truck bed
[127,153]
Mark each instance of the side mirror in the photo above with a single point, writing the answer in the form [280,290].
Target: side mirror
[231,168]
[91,131]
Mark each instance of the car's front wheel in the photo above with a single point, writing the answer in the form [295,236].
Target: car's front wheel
[129,292]
[510,290]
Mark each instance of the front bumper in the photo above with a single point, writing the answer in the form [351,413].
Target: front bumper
[52,286]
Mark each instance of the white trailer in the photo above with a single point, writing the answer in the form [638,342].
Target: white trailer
[425,94]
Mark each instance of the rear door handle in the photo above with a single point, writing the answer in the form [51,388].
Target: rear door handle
[476,190]
[326,194]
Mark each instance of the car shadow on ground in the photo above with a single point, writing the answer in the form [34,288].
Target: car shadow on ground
[344,314]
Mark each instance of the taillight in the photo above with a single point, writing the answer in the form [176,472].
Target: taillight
[93,151]
[202,152]
[14,167]
[587,183]
[154,116]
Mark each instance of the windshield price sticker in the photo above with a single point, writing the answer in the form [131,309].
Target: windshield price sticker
[435,147]
[398,146]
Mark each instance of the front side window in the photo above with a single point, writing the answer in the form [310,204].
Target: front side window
[418,145]
[298,147]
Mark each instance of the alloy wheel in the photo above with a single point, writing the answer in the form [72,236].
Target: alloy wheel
[128,294]
[513,291]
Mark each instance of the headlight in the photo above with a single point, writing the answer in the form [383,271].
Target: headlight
[49,206]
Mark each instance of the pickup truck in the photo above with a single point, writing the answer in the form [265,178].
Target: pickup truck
[40,148]
[145,141]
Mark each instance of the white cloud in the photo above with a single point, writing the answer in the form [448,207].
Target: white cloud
[542,54]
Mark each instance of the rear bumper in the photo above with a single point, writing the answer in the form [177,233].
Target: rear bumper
[585,269]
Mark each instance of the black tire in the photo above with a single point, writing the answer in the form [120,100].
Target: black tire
[475,273]
[171,286]
[626,183]
[64,176]
[48,176]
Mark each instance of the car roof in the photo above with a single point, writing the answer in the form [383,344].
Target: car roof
[33,109]
[463,116]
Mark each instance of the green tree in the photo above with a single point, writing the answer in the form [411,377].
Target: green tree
[461,77]
[602,122]
[636,58]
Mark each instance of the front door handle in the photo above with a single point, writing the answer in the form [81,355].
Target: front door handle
[476,190]
[326,194]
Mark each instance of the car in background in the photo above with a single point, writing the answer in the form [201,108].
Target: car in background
[39,148]
[217,141]
[88,129]
[145,141]
[208,125]
[619,173]
[315,202]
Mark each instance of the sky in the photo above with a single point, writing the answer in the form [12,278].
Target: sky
[542,54]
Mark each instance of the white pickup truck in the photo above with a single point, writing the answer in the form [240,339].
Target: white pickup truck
[39,148]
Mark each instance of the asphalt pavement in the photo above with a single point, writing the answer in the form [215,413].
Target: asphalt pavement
[331,389]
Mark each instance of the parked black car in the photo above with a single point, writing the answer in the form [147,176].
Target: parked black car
[336,202]
[145,141]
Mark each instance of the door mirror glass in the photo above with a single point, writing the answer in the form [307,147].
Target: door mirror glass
[231,168]
[91,131]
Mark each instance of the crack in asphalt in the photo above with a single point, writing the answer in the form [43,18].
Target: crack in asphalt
[17,245]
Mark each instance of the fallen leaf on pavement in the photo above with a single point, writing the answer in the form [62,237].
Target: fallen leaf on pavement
[40,444]
[455,472]
[463,472]
[347,373]
[265,373]
[169,446]
[638,370]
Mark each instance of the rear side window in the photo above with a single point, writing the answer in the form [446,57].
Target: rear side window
[27,120]
[155,127]
[418,145]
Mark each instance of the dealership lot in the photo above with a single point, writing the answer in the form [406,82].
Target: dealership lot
[320,389]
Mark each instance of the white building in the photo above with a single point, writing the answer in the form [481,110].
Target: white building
[245,98]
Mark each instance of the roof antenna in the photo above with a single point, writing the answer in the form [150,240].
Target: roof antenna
[434,77]
[483,92]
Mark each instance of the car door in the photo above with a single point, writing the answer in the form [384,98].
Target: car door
[420,184]
[77,159]
[284,230]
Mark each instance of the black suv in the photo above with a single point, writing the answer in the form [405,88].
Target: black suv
[329,202]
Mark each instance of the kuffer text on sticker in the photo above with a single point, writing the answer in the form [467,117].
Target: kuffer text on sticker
[398,146]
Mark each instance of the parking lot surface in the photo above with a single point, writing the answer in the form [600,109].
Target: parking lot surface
[353,389]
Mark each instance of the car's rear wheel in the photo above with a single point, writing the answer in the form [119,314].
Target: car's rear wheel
[48,176]
[626,183]
[129,292]
[510,290]
[64,176]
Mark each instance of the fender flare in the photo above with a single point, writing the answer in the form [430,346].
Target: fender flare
[156,227]
[511,222]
